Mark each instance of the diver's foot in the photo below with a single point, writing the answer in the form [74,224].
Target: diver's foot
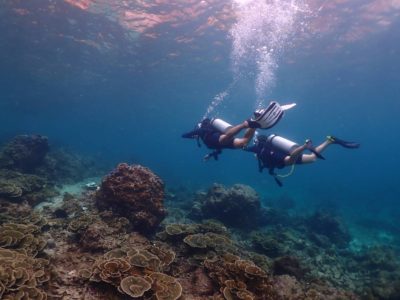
[334,140]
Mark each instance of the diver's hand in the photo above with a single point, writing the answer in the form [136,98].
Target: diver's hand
[207,157]
[252,124]
[308,144]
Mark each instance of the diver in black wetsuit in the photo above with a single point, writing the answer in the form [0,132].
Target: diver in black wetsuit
[216,140]
[274,152]
[216,134]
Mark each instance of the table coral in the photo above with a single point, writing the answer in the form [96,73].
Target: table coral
[135,286]
[22,276]
[21,237]
[135,193]
[135,272]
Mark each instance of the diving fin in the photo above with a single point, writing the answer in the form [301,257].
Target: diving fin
[343,143]
[268,117]
[288,106]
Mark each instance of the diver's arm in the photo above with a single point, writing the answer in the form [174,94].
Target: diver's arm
[254,149]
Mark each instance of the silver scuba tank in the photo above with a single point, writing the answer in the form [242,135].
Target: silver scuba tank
[220,125]
[281,143]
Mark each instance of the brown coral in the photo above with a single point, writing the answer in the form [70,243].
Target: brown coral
[136,193]
[132,271]
[239,279]
[21,237]
[135,286]
[166,287]
[21,276]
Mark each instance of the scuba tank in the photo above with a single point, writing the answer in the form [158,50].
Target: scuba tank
[220,125]
[281,143]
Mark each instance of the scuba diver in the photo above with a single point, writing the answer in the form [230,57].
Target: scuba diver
[217,134]
[275,152]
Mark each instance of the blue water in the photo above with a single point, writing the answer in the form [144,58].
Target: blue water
[76,75]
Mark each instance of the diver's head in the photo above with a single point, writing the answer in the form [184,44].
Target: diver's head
[204,123]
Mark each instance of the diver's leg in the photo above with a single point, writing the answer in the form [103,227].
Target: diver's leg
[292,158]
[227,136]
[310,158]
[242,142]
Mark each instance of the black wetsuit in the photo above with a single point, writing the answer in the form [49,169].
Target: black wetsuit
[269,157]
[209,136]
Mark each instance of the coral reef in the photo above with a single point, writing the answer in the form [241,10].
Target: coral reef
[22,276]
[238,206]
[325,224]
[90,246]
[24,152]
[22,238]
[62,166]
[19,187]
[135,193]
[136,271]
[30,172]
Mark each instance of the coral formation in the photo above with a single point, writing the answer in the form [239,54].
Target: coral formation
[24,152]
[62,166]
[94,234]
[135,286]
[21,237]
[18,187]
[136,272]
[238,206]
[73,250]
[22,277]
[325,224]
[135,193]
[22,274]
[289,265]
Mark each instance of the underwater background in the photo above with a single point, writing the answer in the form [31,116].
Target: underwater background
[121,81]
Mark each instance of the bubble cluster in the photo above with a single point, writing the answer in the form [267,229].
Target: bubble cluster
[218,99]
[262,31]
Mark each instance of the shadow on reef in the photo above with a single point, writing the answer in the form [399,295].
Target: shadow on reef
[118,243]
